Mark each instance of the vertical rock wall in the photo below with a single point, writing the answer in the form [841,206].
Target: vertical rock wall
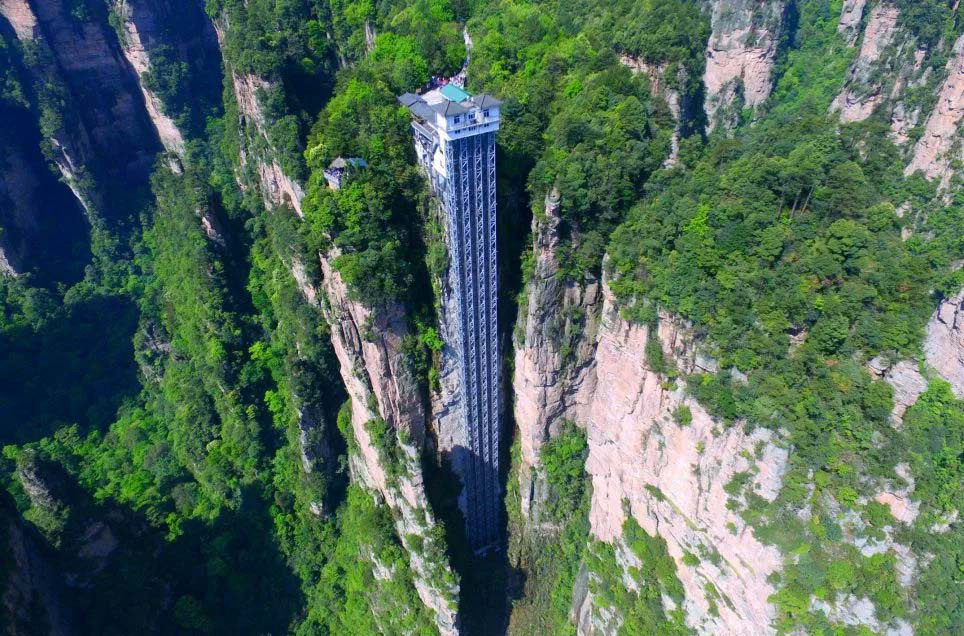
[900,76]
[672,476]
[944,344]
[661,88]
[740,55]
[141,31]
[643,463]
[381,384]
[554,348]
[376,372]
[851,14]
[940,146]
[86,56]
[863,90]
[277,187]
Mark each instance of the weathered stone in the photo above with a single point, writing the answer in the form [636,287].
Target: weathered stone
[660,87]
[141,32]
[740,55]
[944,344]
[939,147]
[381,384]
[906,380]
[859,98]
[636,450]
[850,16]
[550,374]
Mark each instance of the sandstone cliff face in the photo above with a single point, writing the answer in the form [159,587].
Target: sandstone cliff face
[673,475]
[900,76]
[102,138]
[740,55]
[554,348]
[376,373]
[21,17]
[891,72]
[448,411]
[661,87]
[141,32]
[850,17]
[381,384]
[906,380]
[70,147]
[86,56]
[42,228]
[940,145]
[861,94]
[944,344]
[668,476]
[277,187]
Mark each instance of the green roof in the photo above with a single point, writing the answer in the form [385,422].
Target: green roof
[453,93]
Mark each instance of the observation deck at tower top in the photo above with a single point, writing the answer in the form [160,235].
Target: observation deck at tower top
[451,113]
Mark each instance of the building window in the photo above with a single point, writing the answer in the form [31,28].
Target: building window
[485,113]
[458,119]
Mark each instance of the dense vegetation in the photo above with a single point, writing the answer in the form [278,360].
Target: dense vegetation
[788,233]
[553,548]
[175,403]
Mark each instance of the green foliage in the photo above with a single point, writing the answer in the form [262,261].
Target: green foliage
[682,415]
[398,59]
[369,218]
[57,363]
[593,127]
[935,427]
[553,559]
[783,246]
[935,430]
[348,597]
[563,459]
[642,611]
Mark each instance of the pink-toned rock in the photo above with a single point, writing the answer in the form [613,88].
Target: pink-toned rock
[659,86]
[902,122]
[858,99]
[277,187]
[551,377]
[936,150]
[740,53]
[305,285]
[673,476]
[134,50]
[944,344]
[670,476]
[246,88]
[851,14]
[880,31]
[906,380]
[381,384]
[20,16]
[85,51]
[902,507]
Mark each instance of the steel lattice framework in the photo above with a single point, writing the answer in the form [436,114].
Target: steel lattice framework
[470,202]
[455,143]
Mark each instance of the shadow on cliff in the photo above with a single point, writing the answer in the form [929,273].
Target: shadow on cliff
[119,574]
[75,366]
[483,604]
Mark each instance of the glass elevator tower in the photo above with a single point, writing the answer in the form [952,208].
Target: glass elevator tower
[455,143]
